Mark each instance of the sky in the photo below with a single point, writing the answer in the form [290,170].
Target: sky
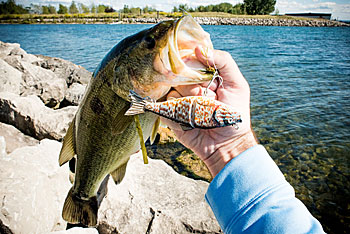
[340,9]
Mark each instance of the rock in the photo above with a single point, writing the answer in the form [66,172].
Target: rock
[14,138]
[77,230]
[43,83]
[10,78]
[66,70]
[32,117]
[3,153]
[75,93]
[6,48]
[32,189]
[46,77]
[151,199]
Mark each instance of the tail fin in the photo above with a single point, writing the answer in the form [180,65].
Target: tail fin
[137,104]
[76,210]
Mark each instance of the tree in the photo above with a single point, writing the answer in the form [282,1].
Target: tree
[10,7]
[101,8]
[62,9]
[73,8]
[259,7]
[109,10]
[83,8]
[45,10]
[93,8]
[52,10]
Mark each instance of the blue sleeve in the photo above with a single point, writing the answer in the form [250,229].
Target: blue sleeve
[251,195]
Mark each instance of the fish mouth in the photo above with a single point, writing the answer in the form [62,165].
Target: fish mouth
[178,56]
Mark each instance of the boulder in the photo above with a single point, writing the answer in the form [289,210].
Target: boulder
[32,189]
[77,230]
[75,93]
[15,138]
[64,69]
[10,78]
[6,48]
[33,118]
[152,198]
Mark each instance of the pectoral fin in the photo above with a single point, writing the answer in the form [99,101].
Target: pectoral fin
[155,130]
[121,121]
[68,148]
[119,173]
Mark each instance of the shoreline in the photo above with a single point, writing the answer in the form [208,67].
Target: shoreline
[291,22]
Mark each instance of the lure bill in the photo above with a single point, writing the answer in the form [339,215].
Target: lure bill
[191,112]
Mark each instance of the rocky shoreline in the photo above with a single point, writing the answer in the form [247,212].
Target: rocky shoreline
[201,20]
[38,99]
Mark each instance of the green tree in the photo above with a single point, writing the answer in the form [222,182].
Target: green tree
[93,8]
[45,10]
[10,7]
[62,9]
[148,9]
[52,10]
[83,8]
[73,9]
[101,8]
[259,7]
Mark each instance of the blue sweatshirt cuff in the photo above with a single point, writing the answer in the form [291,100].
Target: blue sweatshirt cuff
[251,195]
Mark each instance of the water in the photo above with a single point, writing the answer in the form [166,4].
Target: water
[300,85]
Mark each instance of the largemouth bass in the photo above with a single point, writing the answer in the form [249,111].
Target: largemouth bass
[101,136]
[191,112]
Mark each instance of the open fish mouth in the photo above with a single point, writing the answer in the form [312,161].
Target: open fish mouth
[178,56]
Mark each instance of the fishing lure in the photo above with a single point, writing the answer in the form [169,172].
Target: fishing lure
[191,112]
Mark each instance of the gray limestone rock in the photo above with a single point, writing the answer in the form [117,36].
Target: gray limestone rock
[30,116]
[32,189]
[75,93]
[66,70]
[152,198]
[15,138]
[10,78]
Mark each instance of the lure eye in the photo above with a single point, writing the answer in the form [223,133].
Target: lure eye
[151,43]
[230,121]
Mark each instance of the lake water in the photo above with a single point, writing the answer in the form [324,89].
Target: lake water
[300,85]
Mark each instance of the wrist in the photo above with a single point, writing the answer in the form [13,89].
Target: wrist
[226,152]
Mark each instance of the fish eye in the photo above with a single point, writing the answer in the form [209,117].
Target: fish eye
[230,120]
[151,43]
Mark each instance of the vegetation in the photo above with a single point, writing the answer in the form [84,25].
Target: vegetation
[10,7]
[259,7]
[252,7]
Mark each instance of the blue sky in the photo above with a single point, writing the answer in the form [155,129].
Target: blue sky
[340,9]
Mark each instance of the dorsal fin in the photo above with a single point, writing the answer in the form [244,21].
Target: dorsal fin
[68,147]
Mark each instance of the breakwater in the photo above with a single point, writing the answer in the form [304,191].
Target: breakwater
[273,21]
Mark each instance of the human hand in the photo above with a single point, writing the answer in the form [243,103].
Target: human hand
[216,147]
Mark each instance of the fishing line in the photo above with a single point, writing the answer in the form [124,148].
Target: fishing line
[215,75]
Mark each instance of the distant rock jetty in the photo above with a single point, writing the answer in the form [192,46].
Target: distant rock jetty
[202,20]
[251,21]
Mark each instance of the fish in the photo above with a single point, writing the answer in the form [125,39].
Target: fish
[191,111]
[101,138]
